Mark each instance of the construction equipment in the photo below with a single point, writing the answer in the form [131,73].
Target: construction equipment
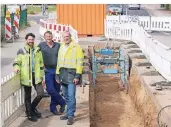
[109,57]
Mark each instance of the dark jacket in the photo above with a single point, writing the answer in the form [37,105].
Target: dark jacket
[67,76]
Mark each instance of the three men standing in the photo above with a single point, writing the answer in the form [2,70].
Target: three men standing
[63,65]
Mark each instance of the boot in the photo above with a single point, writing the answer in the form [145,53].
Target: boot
[56,112]
[70,121]
[65,117]
[62,108]
[31,117]
[29,112]
[34,105]
[36,113]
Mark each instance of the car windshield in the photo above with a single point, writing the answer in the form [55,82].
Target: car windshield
[115,5]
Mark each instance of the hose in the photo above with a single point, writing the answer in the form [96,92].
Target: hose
[158,120]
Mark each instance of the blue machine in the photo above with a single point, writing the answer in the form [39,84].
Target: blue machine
[109,52]
[109,56]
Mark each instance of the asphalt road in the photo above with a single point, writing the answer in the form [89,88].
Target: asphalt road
[141,12]
[36,18]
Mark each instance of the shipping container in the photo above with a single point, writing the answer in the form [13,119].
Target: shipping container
[87,19]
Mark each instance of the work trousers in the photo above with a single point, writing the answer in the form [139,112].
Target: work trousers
[53,89]
[27,90]
[69,91]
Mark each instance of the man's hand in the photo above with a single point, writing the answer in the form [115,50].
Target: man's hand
[75,81]
[57,81]
[16,70]
[43,83]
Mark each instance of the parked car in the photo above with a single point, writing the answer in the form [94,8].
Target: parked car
[134,6]
[116,9]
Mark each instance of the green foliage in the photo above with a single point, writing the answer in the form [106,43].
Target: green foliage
[34,9]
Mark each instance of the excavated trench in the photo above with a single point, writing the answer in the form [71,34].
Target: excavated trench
[110,106]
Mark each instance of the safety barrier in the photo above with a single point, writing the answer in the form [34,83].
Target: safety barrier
[16,22]
[158,54]
[56,29]
[8,33]
[12,98]
[151,23]
[12,22]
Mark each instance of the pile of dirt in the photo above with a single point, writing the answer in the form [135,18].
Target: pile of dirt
[142,101]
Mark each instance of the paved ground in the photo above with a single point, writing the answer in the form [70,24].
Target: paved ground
[81,116]
[37,17]
[141,12]
[154,10]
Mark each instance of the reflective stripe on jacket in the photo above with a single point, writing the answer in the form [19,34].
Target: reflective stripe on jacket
[23,63]
[72,59]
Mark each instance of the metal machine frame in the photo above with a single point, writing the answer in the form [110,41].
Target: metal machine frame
[107,58]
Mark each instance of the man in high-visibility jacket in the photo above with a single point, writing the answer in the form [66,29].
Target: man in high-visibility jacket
[29,63]
[68,73]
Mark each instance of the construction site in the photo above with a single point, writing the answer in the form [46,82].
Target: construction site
[127,68]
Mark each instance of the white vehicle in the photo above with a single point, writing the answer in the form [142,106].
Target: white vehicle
[134,6]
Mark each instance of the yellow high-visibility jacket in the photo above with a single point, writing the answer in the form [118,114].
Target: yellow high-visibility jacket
[72,59]
[23,62]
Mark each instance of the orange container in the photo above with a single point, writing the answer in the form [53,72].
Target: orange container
[87,19]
